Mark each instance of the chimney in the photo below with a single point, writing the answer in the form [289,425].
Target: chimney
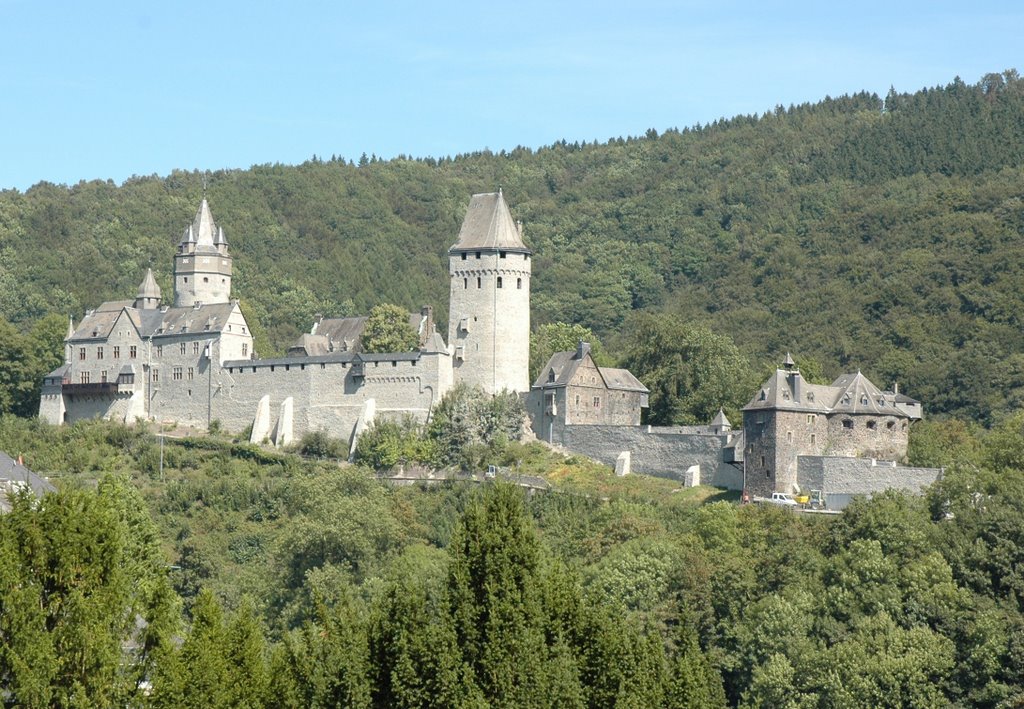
[796,383]
[582,349]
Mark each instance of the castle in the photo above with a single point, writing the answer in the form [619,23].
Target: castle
[193,362]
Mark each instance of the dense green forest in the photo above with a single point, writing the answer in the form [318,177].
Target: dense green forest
[859,232]
[234,576]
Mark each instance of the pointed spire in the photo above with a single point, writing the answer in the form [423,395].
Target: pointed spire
[789,363]
[71,328]
[203,226]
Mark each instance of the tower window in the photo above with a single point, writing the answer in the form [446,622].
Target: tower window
[499,281]
[478,254]
[848,423]
[99,353]
[479,282]
[501,254]
[519,283]
[464,255]
[206,279]
[156,375]
[186,279]
[465,283]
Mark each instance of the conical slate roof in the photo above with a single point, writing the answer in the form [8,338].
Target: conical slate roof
[489,225]
[148,288]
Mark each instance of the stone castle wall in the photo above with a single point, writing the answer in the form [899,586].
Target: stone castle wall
[666,455]
[870,436]
[328,393]
[842,478]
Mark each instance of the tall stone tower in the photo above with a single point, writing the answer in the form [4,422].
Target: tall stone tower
[202,266]
[489,307]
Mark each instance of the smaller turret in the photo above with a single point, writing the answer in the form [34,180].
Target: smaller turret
[148,296]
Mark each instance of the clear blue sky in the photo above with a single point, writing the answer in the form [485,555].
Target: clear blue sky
[112,89]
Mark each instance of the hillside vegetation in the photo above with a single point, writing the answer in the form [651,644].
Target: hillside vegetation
[858,232]
[267,580]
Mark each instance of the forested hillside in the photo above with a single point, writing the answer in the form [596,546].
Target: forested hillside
[267,580]
[858,232]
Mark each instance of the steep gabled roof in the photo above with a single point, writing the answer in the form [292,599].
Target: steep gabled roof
[857,395]
[786,390]
[778,393]
[98,323]
[177,321]
[489,225]
[621,379]
[563,366]
[14,475]
[346,334]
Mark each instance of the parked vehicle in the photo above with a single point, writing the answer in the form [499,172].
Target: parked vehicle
[777,498]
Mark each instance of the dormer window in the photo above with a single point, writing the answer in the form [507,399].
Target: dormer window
[810,396]
[764,394]
[864,399]
[551,375]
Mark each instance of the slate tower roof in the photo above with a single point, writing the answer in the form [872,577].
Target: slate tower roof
[489,225]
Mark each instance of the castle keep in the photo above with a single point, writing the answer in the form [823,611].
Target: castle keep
[194,363]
